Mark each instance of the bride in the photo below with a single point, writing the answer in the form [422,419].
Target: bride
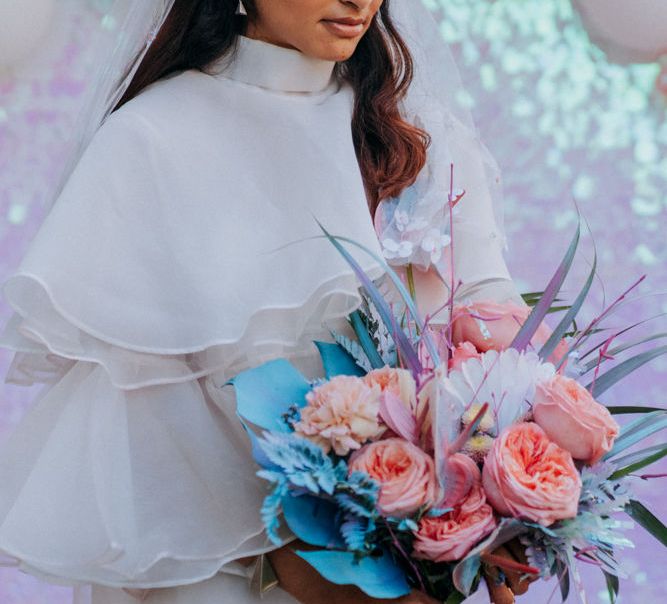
[183,249]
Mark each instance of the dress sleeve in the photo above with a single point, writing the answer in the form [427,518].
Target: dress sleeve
[476,251]
[478,240]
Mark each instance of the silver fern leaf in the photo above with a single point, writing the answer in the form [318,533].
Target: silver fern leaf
[353,349]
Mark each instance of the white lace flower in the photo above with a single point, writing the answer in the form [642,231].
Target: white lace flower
[434,243]
[402,219]
[506,380]
[396,249]
[417,223]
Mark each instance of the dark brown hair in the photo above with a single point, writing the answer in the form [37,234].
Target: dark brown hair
[390,151]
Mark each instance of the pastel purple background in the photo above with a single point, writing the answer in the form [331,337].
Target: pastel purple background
[565,125]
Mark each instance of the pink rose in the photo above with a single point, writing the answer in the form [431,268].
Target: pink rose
[451,536]
[527,476]
[498,330]
[573,419]
[463,352]
[405,473]
[341,414]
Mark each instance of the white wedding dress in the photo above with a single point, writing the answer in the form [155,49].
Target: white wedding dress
[181,252]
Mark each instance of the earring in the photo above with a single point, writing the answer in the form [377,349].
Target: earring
[240,9]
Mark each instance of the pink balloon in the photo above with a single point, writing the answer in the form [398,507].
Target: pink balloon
[629,31]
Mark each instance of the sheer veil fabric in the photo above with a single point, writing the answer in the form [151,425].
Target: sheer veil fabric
[183,248]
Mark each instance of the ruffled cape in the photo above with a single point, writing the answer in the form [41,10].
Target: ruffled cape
[183,249]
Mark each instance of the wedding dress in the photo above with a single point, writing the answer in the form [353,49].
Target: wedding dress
[184,249]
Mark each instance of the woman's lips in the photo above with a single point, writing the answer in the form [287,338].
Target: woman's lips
[344,30]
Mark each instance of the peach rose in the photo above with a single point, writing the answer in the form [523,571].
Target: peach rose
[460,354]
[497,332]
[452,535]
[397,381]
[573,419]
[527,476]
[341,414]
[405,473]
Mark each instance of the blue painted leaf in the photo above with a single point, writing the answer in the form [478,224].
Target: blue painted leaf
[607,380]
[257,451]
[613,352]
[313,520]
[645,518]
[630,409]
[562,327]
[636,432]
[405,295]
[377,577]
[365,340]
[402,342]
[636,456]
[264,393]
[534,320]
[638,465]
[337,361]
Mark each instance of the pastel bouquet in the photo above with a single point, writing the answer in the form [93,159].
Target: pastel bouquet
[433,458]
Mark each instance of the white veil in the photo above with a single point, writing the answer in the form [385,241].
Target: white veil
[127,30]
[435,101]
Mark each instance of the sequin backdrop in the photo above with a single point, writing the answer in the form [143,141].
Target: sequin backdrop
[566,126]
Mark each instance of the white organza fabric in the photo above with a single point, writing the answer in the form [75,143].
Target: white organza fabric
[416,227]
[180,252]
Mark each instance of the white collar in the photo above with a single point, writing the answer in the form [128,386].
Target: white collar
[274,67]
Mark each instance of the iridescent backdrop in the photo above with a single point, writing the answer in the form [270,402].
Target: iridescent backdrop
[572,132]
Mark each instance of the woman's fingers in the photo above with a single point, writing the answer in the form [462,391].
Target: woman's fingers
[139,594]
[417,597]
[499,592]
[514,578]
[519,582]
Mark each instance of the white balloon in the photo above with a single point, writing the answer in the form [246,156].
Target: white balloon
[629,31]
[23,25]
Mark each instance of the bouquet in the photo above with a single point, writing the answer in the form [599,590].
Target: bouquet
[432,458]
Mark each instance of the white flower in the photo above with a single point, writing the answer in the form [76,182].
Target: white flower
[417,224]
[434,242]
[506,380]
[396,249]
[402,219]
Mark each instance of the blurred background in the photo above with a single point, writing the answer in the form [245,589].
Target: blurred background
[571,98]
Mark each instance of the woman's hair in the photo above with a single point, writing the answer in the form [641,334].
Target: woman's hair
[390,151]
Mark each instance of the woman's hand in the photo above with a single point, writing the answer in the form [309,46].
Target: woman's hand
[305,584]
[416,597]
[515,583]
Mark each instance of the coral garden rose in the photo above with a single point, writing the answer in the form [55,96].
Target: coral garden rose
[527,476]
[573,419]
[452,535]
[405,473]
[461,353]
[502,323]
[341,414]
[397,381]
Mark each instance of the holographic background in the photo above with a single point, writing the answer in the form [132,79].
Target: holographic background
[569,128]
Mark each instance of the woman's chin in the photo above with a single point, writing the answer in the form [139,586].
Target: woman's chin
[330,47]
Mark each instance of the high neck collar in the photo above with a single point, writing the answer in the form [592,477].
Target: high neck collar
[260,63]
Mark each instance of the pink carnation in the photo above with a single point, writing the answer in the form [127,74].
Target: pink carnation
[451,536]
[341,414]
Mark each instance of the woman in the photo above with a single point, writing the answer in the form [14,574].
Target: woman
[182,251]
